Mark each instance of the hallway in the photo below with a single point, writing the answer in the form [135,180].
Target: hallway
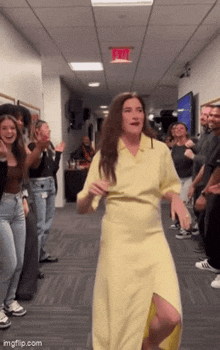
[59,317]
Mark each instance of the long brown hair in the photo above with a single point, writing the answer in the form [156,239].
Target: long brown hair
[112,130]
[18,148]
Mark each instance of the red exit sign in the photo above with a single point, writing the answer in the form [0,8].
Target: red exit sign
[120,54]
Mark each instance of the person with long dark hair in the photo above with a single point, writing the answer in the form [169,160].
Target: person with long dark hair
[43,185]
[14,164]
[136,296]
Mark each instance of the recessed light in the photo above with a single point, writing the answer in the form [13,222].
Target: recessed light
[122,2]
[86,66]
[94,84]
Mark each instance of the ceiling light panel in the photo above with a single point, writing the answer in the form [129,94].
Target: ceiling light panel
[121,3]
[94,84]
[86,66]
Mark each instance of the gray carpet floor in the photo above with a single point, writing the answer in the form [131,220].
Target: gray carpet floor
[59,317]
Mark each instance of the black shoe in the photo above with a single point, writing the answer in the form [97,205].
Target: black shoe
[49,259]
[40,275]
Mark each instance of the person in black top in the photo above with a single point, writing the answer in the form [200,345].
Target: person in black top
[44,186]
[184,167]
[209,203]
[85,151]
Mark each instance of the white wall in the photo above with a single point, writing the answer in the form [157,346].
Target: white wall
[21,78]
[20,73]
[53,116]
[204,80]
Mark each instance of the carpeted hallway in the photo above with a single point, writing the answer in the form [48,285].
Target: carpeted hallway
[59,317]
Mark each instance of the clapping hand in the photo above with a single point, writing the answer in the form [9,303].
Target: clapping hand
[189,144]
[42,141]
[3,150]
[60,147]
[189,154]
[215,189]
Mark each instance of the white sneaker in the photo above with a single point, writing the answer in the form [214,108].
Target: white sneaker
[15,309]
[204,265]
[4,320]
[175,226]
[183,234]
[216,282]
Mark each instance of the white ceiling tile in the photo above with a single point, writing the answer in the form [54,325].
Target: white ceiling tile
[171,32]
[59,3]
[205,32]
[190,51]
[13,3]
[55,64]
[214,16]
[65,17]
[87,77]
[179,15]
[121,33]
[183,2]
[121,16]
[68,38]
[22,17]
[162,49]
[40,40]
[84,52]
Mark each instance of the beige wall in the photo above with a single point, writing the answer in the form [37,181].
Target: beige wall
[204,80]
[20,72]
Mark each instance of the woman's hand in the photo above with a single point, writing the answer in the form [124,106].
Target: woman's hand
[178,209]
[201,203]
[189,154]
[3,150]
[25,206]
[42,141]
[189,144]
[99,188]
[191,191]
[215,189]
[60,147]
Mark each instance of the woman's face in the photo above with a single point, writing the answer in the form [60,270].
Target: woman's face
[173,130]
[44,131]
[8,132]
[180,130]
[20,122]
[132,116]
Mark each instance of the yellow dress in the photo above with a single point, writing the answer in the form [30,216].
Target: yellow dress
[135,259]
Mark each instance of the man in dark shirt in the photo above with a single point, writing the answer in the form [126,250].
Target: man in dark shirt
[85,151]
[209,204]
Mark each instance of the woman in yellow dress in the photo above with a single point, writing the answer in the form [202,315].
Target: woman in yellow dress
[136,295]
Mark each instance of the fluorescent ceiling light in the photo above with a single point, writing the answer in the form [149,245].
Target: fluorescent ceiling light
[122,2]
[103,107]
[94,84]
[86,66]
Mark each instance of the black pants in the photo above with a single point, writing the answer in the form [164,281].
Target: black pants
[212,230]
[27,285]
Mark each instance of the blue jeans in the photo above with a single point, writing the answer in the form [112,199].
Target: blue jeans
[12,244]
[43,193]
